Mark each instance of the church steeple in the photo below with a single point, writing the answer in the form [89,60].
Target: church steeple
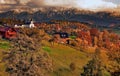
[31,24]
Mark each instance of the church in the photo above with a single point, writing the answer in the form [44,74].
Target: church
[26,25]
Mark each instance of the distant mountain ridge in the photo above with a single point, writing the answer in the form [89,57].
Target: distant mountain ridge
[96,18]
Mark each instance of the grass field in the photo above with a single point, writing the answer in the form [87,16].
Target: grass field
[4,45]
[63,56]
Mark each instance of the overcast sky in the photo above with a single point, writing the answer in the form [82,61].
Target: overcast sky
[84,4]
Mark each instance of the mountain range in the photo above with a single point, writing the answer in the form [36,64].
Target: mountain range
[101,18]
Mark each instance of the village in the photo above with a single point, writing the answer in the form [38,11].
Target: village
[66,32]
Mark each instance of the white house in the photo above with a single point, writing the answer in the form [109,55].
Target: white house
[31,25]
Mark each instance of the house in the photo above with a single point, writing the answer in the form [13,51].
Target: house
[29,25]
[62,34]
[61,37]
[7,32]
[18,26]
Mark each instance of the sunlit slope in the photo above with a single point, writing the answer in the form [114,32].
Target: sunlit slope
[63,56]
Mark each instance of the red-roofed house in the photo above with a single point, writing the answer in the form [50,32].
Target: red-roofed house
[7,32]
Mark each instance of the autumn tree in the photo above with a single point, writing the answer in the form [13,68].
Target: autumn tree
[95,41]
[26,57]
[94,32]
[114,61]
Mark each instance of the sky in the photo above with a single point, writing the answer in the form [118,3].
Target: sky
[80,4]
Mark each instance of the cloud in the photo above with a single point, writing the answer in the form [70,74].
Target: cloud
[8,1]
[114,1]
[2,1]
[60,2]
[84,4]
[94,4]
[80,4]
[36,3]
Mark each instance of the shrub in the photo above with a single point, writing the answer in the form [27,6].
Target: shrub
[72,66]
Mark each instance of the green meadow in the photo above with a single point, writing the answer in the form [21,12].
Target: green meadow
[4,46]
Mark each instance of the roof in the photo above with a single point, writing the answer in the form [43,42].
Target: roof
[63,34]
[3,29]
[19,24]
[60,33]
[27,23]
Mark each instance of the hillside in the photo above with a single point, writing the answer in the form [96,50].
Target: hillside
[59,57]
[63,56]
[60,48]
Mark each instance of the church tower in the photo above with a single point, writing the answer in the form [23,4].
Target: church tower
[31,24]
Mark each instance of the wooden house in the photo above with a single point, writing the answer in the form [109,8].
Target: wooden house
[7,32]
[62,34]
[61,37]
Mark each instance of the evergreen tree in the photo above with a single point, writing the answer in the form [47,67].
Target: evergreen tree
[93,68]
